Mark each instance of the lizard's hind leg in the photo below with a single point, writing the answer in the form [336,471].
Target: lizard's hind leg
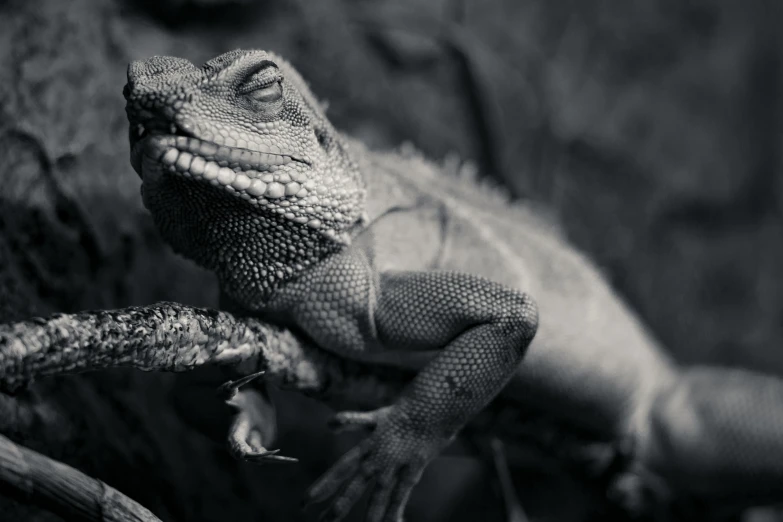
[480,331]
[254,426]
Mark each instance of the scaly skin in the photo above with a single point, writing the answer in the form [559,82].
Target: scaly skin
[258,187]
[382,258]
[290,215]
[371,256]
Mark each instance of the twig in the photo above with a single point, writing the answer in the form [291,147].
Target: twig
[33,478]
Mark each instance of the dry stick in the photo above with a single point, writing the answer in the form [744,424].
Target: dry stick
[30,477]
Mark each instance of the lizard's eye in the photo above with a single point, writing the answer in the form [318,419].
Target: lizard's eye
[264,85]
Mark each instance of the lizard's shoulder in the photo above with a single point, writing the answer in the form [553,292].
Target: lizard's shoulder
[442,215]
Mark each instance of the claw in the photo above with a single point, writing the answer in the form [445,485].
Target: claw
[228,390]
[328,484]
[254,423]
[268,457]
[348,497]
[245,443]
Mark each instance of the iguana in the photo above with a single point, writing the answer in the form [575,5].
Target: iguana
[382,259]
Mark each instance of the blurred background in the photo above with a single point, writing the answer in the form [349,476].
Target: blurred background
[652,129]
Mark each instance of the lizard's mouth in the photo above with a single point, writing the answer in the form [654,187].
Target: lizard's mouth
[254,173]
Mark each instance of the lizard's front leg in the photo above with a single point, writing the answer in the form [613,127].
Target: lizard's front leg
[483,330]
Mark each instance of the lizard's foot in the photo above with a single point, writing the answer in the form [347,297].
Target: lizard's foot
[391,460]
[254,425]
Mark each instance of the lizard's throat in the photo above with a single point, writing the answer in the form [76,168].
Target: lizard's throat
[252,251]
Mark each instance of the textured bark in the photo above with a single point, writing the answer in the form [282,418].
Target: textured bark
[169,337]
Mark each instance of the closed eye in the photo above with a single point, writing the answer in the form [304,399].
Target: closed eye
[264,85]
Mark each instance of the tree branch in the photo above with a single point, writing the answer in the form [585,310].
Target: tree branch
[175,338]
[33,478]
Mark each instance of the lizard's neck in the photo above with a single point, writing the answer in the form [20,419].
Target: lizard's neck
[252,251]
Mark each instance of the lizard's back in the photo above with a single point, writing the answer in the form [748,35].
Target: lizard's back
[454,224]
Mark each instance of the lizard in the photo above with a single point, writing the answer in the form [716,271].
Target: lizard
[377,260]
[382,259]
[294,231]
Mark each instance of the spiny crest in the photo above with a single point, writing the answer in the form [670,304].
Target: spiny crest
[461,178]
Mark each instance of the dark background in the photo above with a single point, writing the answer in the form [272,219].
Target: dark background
[653,129]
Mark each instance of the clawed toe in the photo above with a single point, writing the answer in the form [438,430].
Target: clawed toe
[331,481]
[357,471]
[388,501]
[228,390]
[268,457]
[254,424]
[349,495]
[388,496]
[388,463]
[247,445]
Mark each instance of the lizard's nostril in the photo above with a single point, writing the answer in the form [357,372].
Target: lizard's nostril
[323,139]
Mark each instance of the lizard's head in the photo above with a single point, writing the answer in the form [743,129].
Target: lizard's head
[238,160]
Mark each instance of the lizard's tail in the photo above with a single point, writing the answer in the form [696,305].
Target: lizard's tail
[717,433]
